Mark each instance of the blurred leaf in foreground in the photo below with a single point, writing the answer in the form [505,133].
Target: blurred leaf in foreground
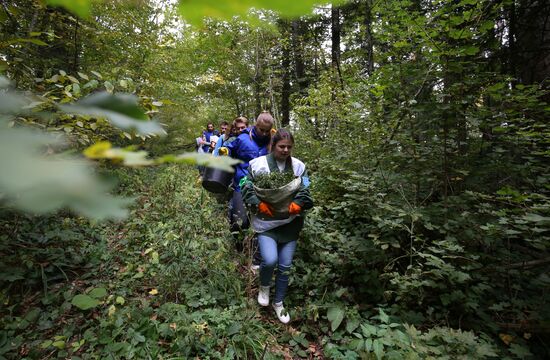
[104,150]
[122,110]
[38,184]
[195,10]
[220,162]
[35,182]
[78,7]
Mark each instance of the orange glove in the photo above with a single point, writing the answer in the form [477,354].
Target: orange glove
[265,209]
[294,209]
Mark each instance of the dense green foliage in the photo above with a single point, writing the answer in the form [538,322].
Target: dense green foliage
[424,127]
[273,180]
[160,283]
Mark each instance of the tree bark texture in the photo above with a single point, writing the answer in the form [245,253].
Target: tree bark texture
[298,52]
[530,41]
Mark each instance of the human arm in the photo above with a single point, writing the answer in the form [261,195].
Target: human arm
[302,200]
[218,146]
[202,139]
[250,198]
[230,148]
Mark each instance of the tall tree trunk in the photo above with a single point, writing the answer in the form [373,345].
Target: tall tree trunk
[335,48]
[285,92]
[257,80]
[367,44]
[335,36]
[74,67]
[512,33]
[237,108]
[297,47]
[532,41]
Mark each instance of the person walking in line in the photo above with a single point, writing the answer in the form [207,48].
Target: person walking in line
[277,229]
[239,124]
[210,131]
[250,144]
[224,128]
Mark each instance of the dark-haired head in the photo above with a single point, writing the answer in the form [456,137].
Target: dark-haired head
[281,145]
[280,135]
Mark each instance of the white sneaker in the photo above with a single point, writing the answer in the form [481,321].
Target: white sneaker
[263,295]
[282,314]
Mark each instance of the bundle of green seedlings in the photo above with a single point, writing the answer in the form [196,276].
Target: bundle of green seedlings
[273,180]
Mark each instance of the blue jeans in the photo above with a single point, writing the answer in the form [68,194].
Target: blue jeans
[273,254]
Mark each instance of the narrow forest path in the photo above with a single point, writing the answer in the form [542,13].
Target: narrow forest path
[165,283]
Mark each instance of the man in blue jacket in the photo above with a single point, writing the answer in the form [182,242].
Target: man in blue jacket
[250,144]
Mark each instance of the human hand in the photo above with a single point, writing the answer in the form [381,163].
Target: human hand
[294,209]
[265,209]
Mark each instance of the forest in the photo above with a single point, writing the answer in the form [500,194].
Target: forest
[424,126]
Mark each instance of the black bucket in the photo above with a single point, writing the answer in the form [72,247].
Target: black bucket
[216,180]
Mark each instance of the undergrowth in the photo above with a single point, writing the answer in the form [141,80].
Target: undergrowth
[168,284]
[165,283]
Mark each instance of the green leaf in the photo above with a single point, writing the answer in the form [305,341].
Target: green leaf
[122,110]
[195,10]
[109,86]
[98,75]
[234,329]
[37,42]
[368,345]
[98,293]
[78,7]
[84,302]
[76,89]
[60,344]
[91,84]
[520,351]
[73,79]
[335,315]
[139,338]
[536,218]
[378,348]
[351,325]
[154,257]
[368,330]
[470,50]
[220,162]
[40,184]
[21,40]
[384,318]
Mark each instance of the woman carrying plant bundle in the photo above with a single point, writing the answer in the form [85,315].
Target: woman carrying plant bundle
[276,191]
